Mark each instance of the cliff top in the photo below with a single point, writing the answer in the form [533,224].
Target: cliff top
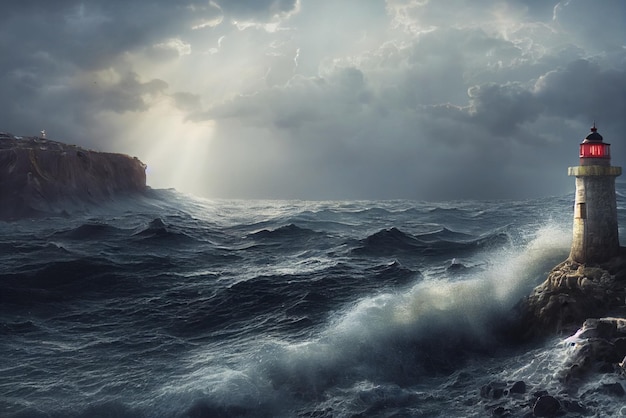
[10,141]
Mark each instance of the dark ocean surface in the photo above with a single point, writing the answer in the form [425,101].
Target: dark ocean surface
[174,306]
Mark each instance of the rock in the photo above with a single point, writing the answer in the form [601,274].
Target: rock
[596,347]
[500,411]
[41,177]
[492,390]
[572,293]
[546,406]
[622,366]
[573,406]
[540,393]
[518,387]
[575,294]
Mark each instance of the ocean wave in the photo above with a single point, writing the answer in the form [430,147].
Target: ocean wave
[15,328]
[388,241]
[444,234]
[441,211]
[443,242]
[159,232]
[278,303]
[88,231]
[285,232]
[265,308]
[90,277]
[37,250]
[401,337]
[60,281]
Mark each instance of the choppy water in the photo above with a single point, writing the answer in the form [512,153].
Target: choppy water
[172,306]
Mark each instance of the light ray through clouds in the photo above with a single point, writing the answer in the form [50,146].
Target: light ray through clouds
[320,99]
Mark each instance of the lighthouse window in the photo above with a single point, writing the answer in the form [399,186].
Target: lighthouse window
[581,211]
[594,150]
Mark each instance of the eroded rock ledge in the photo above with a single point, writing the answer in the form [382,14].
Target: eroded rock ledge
[42,177]
[572,293]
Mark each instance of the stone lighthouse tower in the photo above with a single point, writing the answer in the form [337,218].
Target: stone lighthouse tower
[596,236]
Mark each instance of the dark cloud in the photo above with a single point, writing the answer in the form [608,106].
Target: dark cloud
[423,151]
[384,128]
[128,94]
[55,55]
[323,99]
[597,26]
[503,108]
[92,35]
[585,88]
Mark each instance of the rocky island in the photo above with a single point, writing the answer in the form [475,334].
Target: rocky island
[584,306]
[582,302]
[573,293]
[42,177]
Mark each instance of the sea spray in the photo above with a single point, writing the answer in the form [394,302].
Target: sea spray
[428,328]
[515,273]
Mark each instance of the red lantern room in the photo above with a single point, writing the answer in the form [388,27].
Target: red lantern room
[593,151]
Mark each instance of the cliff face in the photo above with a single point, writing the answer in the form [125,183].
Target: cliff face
[39,176]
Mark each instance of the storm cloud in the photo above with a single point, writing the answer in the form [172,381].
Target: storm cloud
[323,99]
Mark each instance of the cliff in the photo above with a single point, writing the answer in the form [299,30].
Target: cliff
[40,176]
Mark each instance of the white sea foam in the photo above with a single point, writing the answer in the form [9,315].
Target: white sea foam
[441,301]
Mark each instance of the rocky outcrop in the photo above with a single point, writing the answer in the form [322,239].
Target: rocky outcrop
[598,347]
[516,399]
[571,294]
[41,177]
[586,304]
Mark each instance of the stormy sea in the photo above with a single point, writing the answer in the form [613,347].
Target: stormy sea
[170,305]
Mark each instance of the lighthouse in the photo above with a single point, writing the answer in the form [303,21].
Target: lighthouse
[596,235]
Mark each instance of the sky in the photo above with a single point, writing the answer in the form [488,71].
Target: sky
[323,99]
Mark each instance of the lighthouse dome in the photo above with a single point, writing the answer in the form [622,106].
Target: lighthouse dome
[594,136]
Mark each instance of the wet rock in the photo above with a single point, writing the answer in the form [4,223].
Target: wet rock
[518,387]
[622,367]
[500,411]
[573,406]
[575,294]
[493,390]
[546,406]
[597,347]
